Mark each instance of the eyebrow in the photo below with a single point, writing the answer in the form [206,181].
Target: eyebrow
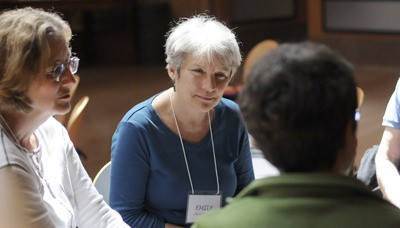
[222,69]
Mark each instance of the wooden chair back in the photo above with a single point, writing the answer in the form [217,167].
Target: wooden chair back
[360,96]
[102,181]
[259,50]
[75,118]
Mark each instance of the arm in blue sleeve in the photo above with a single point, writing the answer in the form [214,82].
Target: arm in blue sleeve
[130,169]
[244,165]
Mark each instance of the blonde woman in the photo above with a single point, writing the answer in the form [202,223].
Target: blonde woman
[43,182]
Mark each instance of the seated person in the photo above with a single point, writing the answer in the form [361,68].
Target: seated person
[387,159]
[43,182]
[300,106]
[186,142]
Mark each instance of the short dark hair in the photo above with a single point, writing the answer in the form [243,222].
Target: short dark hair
[297,104]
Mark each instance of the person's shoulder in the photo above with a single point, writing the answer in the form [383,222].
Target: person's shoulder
[51,126]
[52,122]
[228,102]
[228,105]
[374,214]
[358,214]
[139,110]
[13,158]
[232,215]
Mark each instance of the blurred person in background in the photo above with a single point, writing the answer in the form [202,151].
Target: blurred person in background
[387,159]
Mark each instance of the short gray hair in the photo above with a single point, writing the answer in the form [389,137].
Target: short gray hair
[202,35]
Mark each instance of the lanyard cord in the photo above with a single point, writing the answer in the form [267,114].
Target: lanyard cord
[184,152]
[215,159]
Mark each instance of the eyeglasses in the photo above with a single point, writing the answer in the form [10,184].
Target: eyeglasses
[58,70]
[357,115]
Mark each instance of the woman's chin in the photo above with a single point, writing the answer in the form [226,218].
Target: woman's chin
[63,109]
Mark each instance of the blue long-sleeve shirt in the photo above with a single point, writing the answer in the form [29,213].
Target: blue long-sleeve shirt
[149,178]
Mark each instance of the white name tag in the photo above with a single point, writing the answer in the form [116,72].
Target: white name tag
[199,204]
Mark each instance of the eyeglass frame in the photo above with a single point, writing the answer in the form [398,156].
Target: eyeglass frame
[72,65]
[357,115]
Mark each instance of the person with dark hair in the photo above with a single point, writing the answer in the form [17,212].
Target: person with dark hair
[187,144]
[300,105]
[43,182]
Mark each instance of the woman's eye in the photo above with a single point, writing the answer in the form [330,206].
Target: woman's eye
[198,71]
[221,76]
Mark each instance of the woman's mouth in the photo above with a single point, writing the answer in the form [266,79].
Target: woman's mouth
[206,98]
[65,96]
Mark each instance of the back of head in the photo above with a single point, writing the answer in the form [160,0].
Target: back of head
[297,104]
[202,36]
[25,36]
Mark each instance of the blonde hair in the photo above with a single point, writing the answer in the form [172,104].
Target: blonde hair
[25,36]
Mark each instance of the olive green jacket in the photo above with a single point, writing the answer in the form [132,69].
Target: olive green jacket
[304,200]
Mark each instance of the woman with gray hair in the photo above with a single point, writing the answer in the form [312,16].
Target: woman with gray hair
[184,150]
[43,182]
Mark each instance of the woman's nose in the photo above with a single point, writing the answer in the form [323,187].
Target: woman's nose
[209,84]
[68,77]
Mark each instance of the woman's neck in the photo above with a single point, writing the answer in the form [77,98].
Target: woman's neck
[193,126]
[186,115]
[20,127]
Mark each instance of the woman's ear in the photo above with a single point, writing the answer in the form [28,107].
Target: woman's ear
[172,72]
[231,77]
